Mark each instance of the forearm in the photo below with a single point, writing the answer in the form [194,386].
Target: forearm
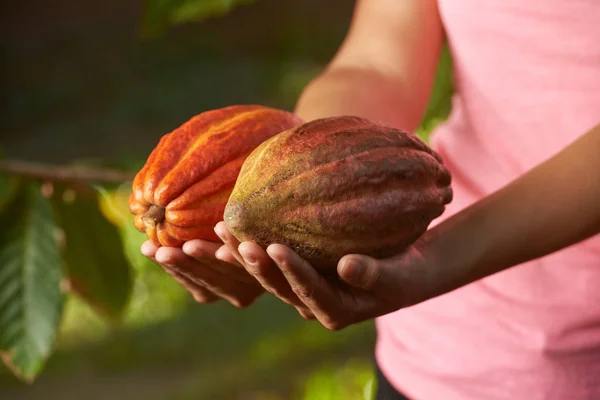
[553,206]
[361,92]
[385,69]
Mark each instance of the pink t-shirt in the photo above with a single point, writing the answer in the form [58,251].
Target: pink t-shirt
[528,84]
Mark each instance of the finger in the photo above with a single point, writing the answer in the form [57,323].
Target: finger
[148,249]
[360,271]
[382,282]
[231,241]
[206,253]
[305,313]
[310,287]
[201,294]
[203,249]
[237,293]
[204,296]
[200,248]
[224,254]
[263,269]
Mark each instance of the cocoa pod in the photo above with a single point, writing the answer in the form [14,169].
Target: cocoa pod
[338,186]
[181,191]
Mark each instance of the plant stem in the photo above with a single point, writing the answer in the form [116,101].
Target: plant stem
[63,173]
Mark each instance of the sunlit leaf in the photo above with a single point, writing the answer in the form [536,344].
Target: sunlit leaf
[97,267]
[132,241]
[353,380]
[440,101]
[114,204]
[31,301]
[441,96]
[157,296]
[159,15]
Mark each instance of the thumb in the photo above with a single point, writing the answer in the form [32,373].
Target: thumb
[361,271]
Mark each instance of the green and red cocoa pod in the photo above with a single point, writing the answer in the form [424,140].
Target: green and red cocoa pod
[338,186]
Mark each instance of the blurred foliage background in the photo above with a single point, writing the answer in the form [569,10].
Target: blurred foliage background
[97,83]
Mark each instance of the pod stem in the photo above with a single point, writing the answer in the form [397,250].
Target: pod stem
[154,216]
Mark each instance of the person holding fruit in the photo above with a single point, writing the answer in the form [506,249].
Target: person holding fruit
[500,299]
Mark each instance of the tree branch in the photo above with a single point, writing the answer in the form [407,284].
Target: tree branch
[64,173]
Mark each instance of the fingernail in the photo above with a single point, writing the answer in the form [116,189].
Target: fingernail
[351,268]
[275,257]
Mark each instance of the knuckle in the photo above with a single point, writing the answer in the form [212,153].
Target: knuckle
[279,294]
[260,271]
[242,302]
[207,280]
[333,324]
[305,314]
[282,294]
[170,270]
[179,279]
[303,292]
[200,298]
[255,270]
[203,298]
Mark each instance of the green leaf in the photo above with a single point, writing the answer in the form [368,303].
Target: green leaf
[132,241]
[353,380]
[114,205]
[440,101]
[97,268]
[159,297]
[161,14]
[31,301]
[8,186]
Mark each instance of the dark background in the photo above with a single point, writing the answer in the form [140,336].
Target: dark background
[80,84]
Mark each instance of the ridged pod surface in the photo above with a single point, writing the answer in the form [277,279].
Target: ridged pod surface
[181,191]
[338,186]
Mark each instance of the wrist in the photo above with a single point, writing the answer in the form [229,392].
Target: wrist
[442,262]
[421,280]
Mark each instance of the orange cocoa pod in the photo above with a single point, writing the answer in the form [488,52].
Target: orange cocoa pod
[337,186]
[181,191]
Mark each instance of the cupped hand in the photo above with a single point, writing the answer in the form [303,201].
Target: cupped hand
[258,257]
[207,278]
[366,287]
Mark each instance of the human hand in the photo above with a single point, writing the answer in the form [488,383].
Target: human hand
[230,249]
[366,288]
[207,278]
